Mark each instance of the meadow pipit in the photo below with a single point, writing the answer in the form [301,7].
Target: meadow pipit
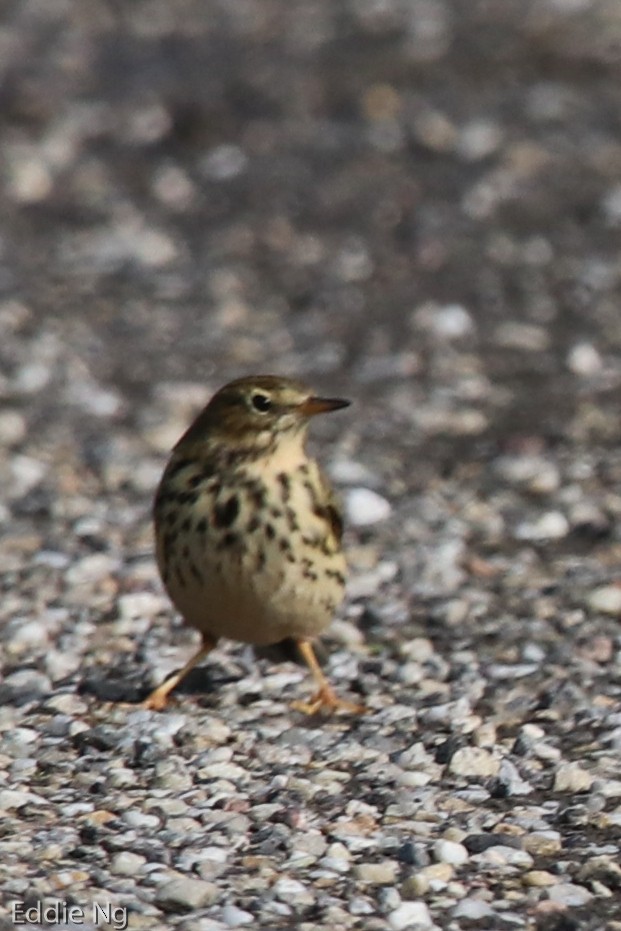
[248,532]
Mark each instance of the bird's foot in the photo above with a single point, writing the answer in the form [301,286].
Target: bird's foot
[158,700]
[326,699]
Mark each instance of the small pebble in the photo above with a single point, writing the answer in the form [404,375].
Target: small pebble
[224,162]
[452,321]
[606,599]
[365,507]
[474,761]
[500,856]
[543,843]
[550,526]
[361,906]
[126,863]
[15,798]
[447,851]
[584,359]
[539,878]
[384,873]
[12,428]
[569,895]
[186,893]
[471,909]
[293,891]
[435,877]
[234,917]
[410,915]
[479,139]
[571,777]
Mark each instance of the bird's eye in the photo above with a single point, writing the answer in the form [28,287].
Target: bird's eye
[261,402]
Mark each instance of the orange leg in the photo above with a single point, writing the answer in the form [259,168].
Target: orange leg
[325,698]
[158,699]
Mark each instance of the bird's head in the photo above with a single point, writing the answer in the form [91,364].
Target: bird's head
[256,411]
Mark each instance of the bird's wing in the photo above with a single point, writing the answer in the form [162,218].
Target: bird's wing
[330,510]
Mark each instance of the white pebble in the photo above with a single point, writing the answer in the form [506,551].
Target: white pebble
[611,204]
[91,569]
[33,377]
[361,906]
[350,472]
[380,874]
[418,649]
[12,427]
[335,864]
[224,162]
[86,394]
[504,856]
[27,473]
[59,665]
[140,820]
[292,891]
[569,895]
[584,359]
[553,525]
[607,599]
[120,777]
[366,584]
[30,680]
[236,917]
[479,139]
[154,249]
[184,893]
[15,798]
[139,605]
[529,337]
[509,776]
[30,180]
[52,559]
[21,736]
[447,851]
[449,322]
[410,914]
[29,634]
[472,910]
[539,475]
[571,777]
[365,507]
[474,761]
[127,863]
[414,780]
[610,788]
[75,809]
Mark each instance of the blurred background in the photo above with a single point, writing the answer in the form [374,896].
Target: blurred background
[415,203]
[419,200]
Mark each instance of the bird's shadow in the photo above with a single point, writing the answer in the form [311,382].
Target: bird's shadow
[125,686]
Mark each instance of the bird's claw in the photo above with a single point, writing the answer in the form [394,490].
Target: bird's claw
[156,701]
[325,699]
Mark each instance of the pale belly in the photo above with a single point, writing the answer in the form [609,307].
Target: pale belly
[254,605]
[253,580]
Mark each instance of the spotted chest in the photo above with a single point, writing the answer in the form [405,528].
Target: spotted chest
[256,557]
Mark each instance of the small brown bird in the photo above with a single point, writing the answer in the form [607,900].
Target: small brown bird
[248,532]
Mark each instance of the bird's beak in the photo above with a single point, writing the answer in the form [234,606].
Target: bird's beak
[312,406]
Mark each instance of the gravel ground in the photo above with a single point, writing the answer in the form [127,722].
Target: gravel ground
[417,205]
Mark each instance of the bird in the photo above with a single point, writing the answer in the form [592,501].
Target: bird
[248,530]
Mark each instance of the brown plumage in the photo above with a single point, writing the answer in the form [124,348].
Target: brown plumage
[248,531]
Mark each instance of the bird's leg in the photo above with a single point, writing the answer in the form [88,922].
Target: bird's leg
[158,699]
[325,698]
